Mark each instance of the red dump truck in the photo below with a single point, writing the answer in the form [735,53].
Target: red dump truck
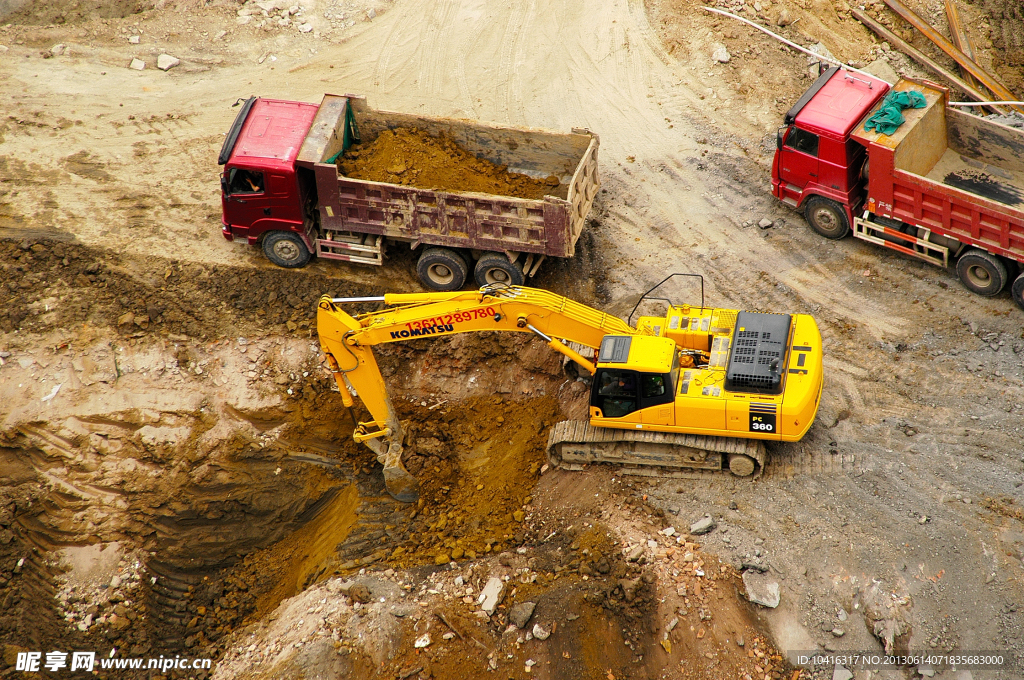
[946,186]
[281,190]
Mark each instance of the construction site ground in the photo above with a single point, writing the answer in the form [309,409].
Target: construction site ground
[177,475]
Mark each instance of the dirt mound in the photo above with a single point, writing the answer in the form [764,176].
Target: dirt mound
[48,284]
[411,157]
[37,13]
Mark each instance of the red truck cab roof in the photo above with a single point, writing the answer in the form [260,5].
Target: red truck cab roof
[271,133]
[836,102]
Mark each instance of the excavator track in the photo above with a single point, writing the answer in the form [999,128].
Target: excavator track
[575,443]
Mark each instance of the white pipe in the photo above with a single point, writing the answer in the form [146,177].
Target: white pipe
[986,103]
[341,301]
[794,45]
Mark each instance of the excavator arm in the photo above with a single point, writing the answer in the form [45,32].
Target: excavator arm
[347,341]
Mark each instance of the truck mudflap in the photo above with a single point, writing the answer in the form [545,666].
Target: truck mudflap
[575,443]
[921,248]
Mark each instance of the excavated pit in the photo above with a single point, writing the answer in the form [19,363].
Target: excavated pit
[172,473]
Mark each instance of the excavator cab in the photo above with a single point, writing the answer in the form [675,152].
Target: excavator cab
[635,374]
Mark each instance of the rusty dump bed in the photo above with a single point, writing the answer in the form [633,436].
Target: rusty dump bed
[952,172]
[549,226]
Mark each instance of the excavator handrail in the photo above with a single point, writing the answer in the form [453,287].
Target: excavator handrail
[658,285]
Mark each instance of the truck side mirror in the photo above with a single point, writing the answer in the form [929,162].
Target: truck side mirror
[779,137]
[224,185]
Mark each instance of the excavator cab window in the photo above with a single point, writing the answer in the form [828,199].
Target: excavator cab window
[615,392]
[620,392]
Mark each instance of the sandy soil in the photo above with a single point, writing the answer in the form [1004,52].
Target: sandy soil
[414,158]
[195,450]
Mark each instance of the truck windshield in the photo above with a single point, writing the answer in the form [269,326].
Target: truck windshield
[242,181]
[803,141]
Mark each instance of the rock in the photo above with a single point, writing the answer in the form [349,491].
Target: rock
[371,14]
[926,671]
[720,54]
[134,40]
[635,554]
[115,582]
[442,558]
[491,595]
[765,223]
[166,62]
[539,633]
[785,18]
[843,615]
[137,64]
[757,566]
[668,531]
[733,505]
[422,641]
[126,319]
[305,28]
[841,673]
[505,559]
[701,527]
[761,589]
[359,593]
[4,48]
[58,49]
[838,632]
[243,20]
[629,587]
[880,69]
[519,615]
[519,515]
[220,34]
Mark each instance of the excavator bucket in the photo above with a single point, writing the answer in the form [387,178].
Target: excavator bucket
[399,482]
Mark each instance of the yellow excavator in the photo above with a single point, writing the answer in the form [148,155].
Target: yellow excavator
[696,388]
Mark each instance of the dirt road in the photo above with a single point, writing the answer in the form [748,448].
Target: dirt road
[899,515]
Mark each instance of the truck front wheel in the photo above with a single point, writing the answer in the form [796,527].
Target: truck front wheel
[982,272]
[285,249]
[827,217]
[496,268]
[442,269]
[1017,291]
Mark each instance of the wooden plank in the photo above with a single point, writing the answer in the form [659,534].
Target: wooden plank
[962,41]
[921,58]
[986,78]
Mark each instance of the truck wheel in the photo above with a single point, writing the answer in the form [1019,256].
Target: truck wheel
[442,269]
[982,273]
[285,249]
[827,218]
[1017,291]
[496,268]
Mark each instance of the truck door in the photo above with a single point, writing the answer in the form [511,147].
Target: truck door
[245,198]
[798,163]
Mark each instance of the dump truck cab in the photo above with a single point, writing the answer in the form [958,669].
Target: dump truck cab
[260,191]
[815,155]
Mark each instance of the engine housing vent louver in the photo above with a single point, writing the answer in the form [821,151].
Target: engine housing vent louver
[758,356]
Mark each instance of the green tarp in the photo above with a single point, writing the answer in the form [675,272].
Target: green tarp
[889,115]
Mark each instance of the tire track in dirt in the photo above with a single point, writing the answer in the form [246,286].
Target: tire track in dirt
[508,60]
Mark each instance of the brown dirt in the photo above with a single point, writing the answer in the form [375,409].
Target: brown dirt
[411,157]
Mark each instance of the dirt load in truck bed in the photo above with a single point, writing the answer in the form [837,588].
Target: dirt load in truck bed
[412,157]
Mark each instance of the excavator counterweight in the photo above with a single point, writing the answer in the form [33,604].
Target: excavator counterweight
[696,388]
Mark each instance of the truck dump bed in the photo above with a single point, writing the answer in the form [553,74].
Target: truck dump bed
[954,173]
[550,226]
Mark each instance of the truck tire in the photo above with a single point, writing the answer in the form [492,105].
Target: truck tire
[496,268]
[442,269]
[1017,291]
[286,249]
[982,272]
[827,218]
